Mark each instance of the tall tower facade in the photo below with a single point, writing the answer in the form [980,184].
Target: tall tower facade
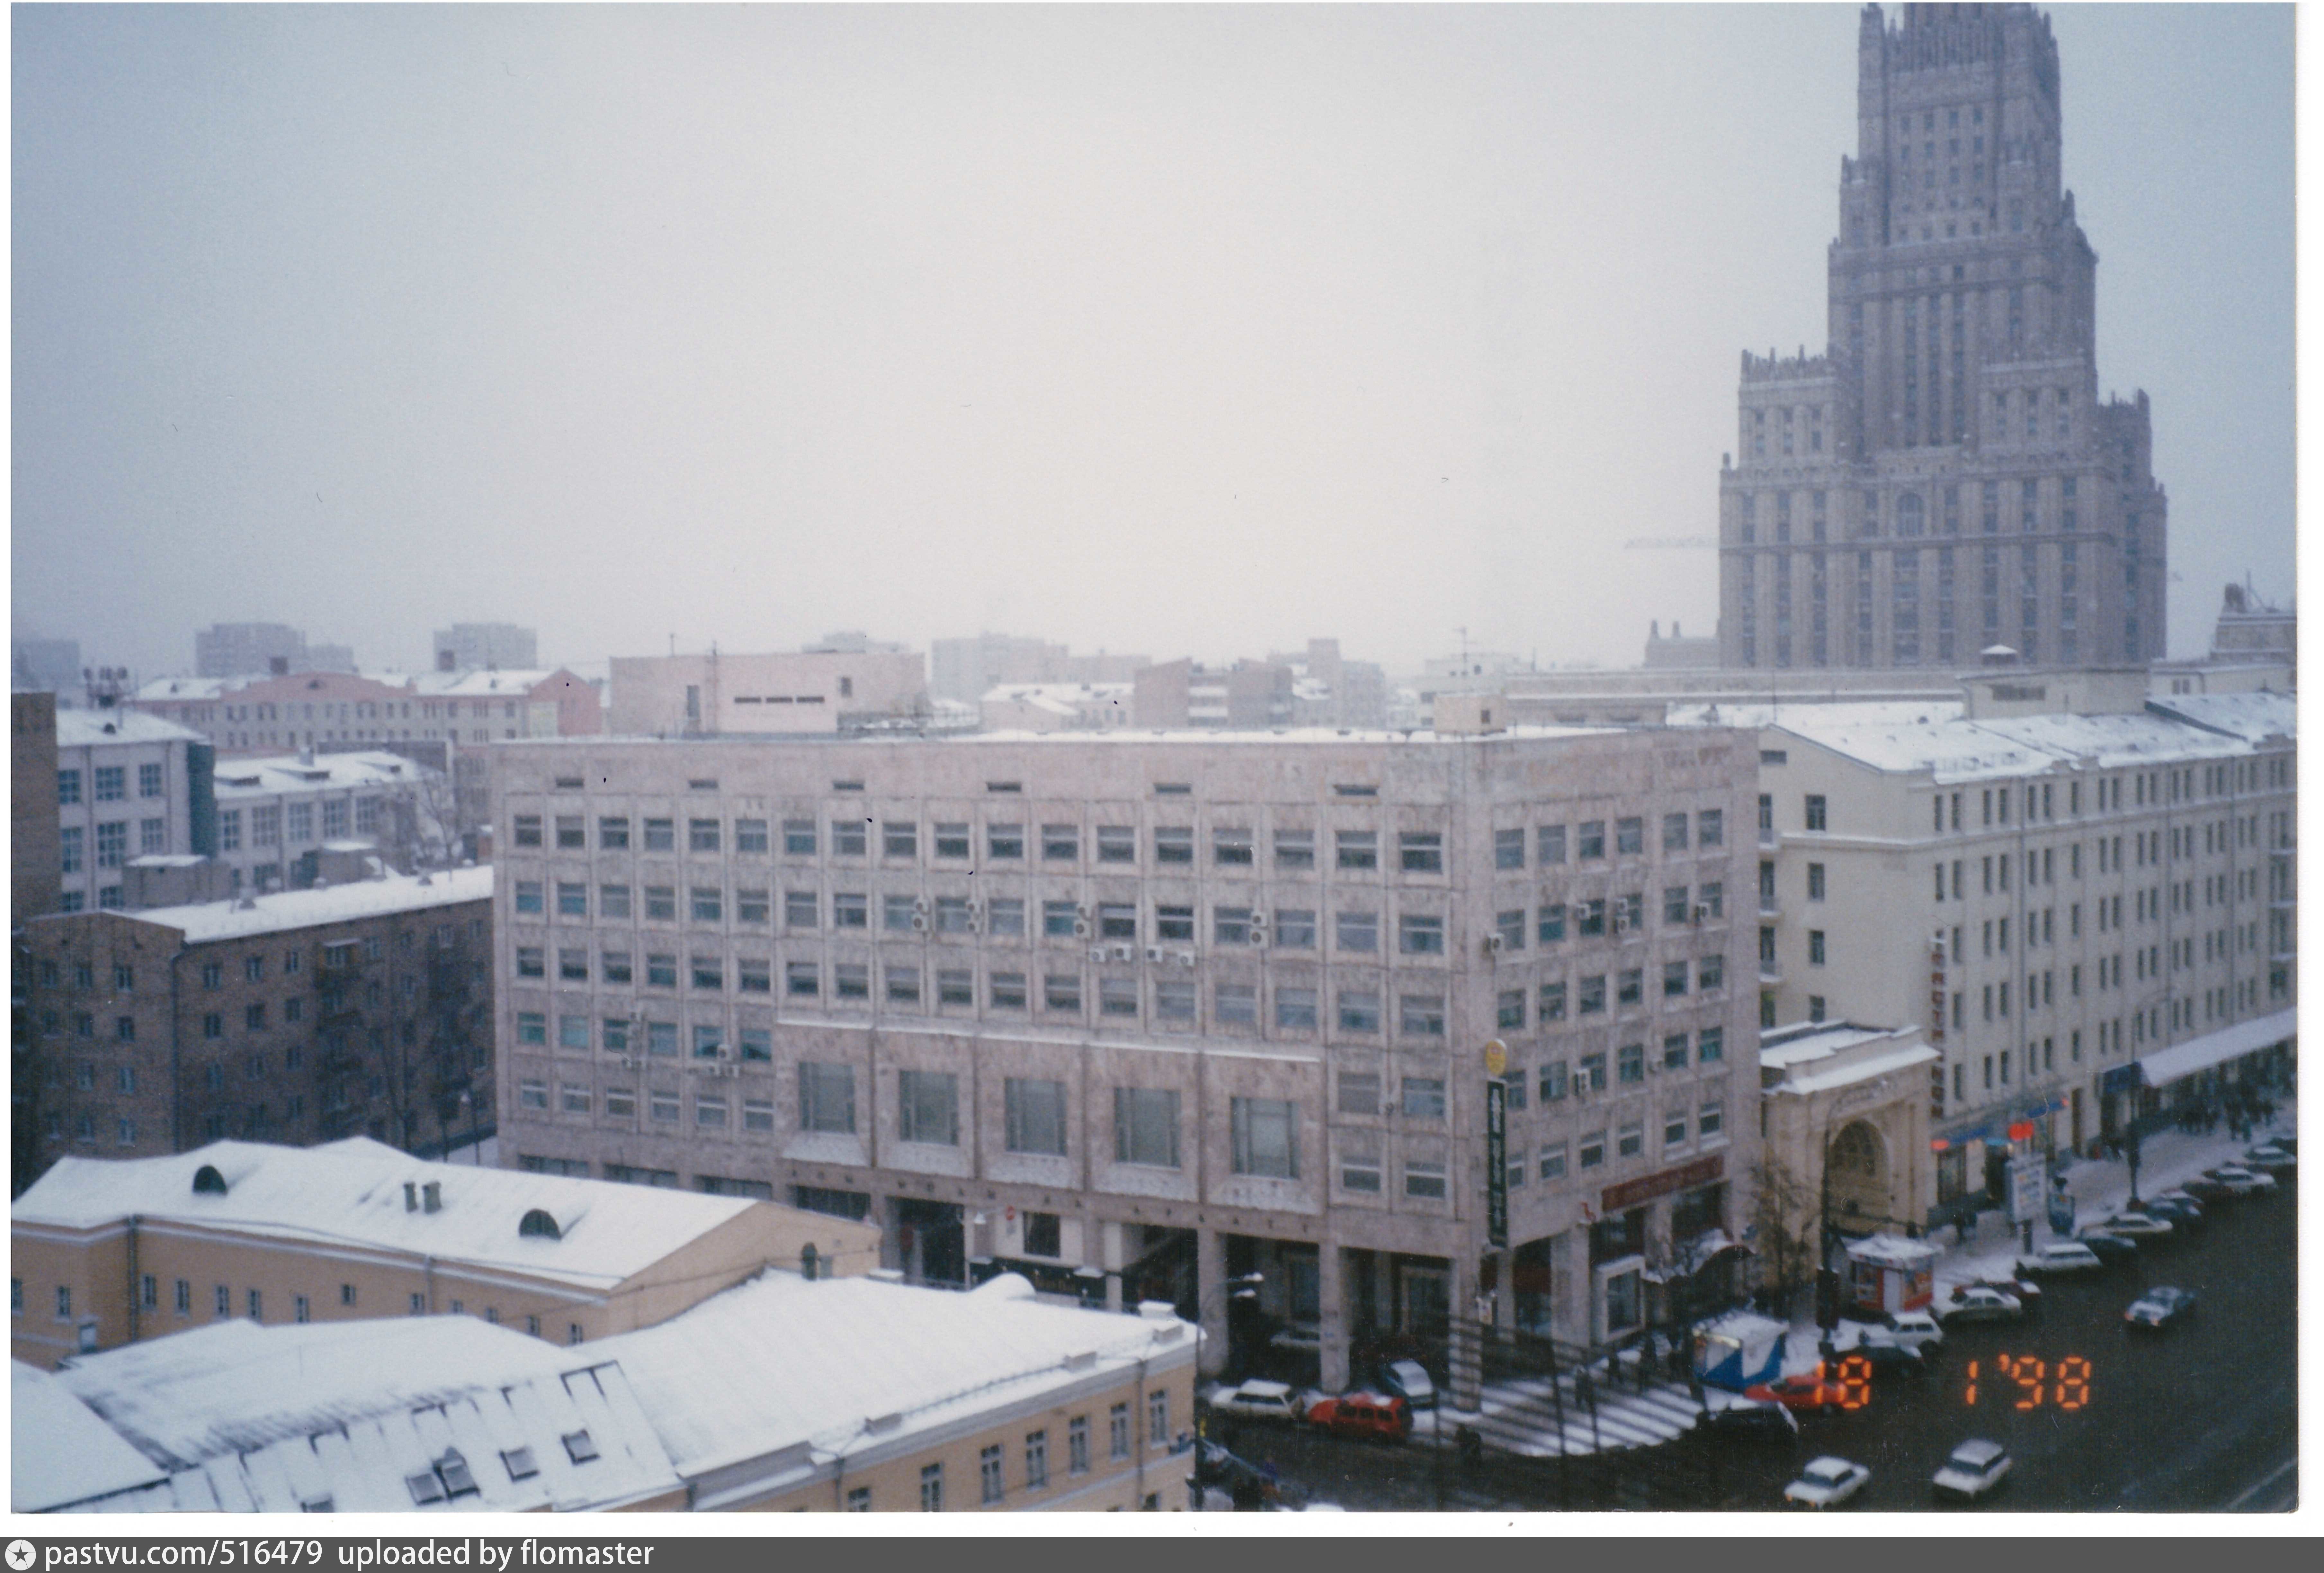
[1943,479]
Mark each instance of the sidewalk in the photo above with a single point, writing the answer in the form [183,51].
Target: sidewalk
[2099,1187]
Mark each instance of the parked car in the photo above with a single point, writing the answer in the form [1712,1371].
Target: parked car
[2180,1210]
[2204,1188]
[1976,1303]
[1911,1330]
[2028,1294]
[1371,1416]
[1255,1400]
[1747,1420]
[2144,1227]
[2271,1158]
[1806,1392]
[2112,1249]
[1407,1380]
[1976,1467]
[2160,1307]
[1296,1338]
[1889,1359]
[1827,1482]
[2060,1256]
[2243,1181]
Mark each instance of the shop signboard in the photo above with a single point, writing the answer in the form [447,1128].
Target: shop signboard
[1496,1163]
[2025,1175]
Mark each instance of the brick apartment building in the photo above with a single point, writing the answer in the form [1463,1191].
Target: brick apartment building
[354,1009]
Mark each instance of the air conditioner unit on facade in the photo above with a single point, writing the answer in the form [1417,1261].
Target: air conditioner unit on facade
[1082,911]
[1153,953]
[1184,958]
[1258,938]
[1701,912]
[920,905]
[1493,943]
[1124,952]
[1097,953]
[975,908]
[919,923]
[1081,928]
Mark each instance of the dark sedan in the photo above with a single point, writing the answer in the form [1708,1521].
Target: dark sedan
[2111,1249]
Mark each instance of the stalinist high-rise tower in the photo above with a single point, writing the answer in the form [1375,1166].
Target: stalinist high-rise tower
[1942,478]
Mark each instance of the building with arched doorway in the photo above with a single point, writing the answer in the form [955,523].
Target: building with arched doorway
[1844,1118]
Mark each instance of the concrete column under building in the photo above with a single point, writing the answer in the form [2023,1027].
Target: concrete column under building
[1467,1369]
[1331,1319]
[1568,1286]
[1109,1246]
[1211,1297]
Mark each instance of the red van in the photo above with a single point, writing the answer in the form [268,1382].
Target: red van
[1363,1415]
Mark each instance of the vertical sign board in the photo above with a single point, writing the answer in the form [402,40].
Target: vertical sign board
[1496,1163]
[2025,1171]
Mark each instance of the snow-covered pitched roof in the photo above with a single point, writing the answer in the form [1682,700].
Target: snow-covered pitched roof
[1893,1250]
[2254,718]
[271,777]
[192,688]
[273,1419]
[1960,750]
[63,1452]
[351,1192]
[88,728]
[278,911]
[780,1361]
[481,685]
[1059,699]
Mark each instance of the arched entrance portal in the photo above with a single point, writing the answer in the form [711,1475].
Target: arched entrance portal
[1856,1178]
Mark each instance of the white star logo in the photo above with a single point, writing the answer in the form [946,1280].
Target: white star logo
[20,1555]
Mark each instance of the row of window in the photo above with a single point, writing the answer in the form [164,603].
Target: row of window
[110,783]
[274,825]
[1588,1151]
[992,1469]
[112,843]
[1414,851]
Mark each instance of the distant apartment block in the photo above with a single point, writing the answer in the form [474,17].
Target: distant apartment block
[1330,690]
[126,1250]
[485,647]
[361,1008]
[53,665]
[787,692]
[263,650]
[1250,696]
[968,669]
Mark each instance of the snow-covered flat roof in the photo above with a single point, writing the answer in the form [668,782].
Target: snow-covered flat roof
[351,1192]
[192,688]
[277,1419]
[465,685]
[1859,1071]
[780,1361]
[1305,737]
[325,773]
[281,911]
[96,728]
[1853,713]
[1796,1046]
[62,1452]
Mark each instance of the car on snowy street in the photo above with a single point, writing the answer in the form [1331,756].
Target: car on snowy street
[1257,1400]
[2060,1256]
[1407,1380]
[2271,1159]
[1911,1330]
[2028,1293]
[2159,1307]
[1368,1416]
[1827,1482]
[1816,1392]
[2112,1249]
[2176,1208]
[1746,1420]
[2144,1227]
[2241,1180]
[1976,1303]
[1976,1467]
[1889,1359]
[2204,1188]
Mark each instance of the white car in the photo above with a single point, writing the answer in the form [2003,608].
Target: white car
[2060,1256]
[1910,1330]
[1827,1482]
[1257,1401]
[1976,1303]
[1975,1469]
[2138,1225]
[2241,1180]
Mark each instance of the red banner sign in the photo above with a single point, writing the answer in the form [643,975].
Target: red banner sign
[1631,1192]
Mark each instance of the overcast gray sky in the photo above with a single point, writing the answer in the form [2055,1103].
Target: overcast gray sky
[1179,331]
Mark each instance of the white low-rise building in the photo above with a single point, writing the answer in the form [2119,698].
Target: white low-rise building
[128,785]
[275,816]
